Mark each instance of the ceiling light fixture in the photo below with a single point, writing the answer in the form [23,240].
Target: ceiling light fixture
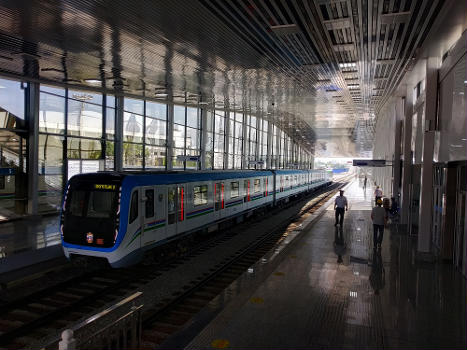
[92,81]
[348,65]
[161,95]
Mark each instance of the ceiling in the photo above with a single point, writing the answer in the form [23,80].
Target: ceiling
[321,69]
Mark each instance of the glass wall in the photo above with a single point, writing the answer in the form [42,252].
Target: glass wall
[52,124]
[238,140]
[219,139]
[156,136]
[77,133]
[133,126]
[13,179]
[193,136]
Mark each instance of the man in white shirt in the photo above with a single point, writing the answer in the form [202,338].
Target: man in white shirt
[340,206]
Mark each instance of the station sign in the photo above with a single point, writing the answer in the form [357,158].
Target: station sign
[256,162]
[369,162]
[181,158]
[7,171]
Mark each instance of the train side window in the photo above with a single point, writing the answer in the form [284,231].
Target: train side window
[2,182]
[257,185]
[200,195]
[149,203]
[234,192]
[171,205]
[134,207]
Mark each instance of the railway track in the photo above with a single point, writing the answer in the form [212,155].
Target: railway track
[160,324]
[47,311]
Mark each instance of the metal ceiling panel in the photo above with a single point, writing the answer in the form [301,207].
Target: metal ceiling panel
[285,57]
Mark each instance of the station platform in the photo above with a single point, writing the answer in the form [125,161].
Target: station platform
[27,242]
[330,289]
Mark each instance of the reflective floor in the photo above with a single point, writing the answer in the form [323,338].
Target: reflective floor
[333,291]
[28,234]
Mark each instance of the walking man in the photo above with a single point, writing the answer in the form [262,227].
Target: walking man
[379,218]
[340,206]
[364,184]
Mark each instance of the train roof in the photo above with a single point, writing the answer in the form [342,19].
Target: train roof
[173,177]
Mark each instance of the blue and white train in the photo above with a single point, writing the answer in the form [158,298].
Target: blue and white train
[117,216]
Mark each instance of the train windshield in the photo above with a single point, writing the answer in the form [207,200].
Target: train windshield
[91,216]
[92,204]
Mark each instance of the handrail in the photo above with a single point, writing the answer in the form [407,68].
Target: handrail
[108,328]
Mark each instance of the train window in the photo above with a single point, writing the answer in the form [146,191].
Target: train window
[100,204]
[234,192]
[257,185]
[2,182]
[77,203]
[133,207]
[200,195]
[171,205]
[149,203]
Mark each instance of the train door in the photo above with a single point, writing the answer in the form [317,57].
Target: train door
[147,216]
[171,211]
[218,198]
[175,209]
[134,217]
[153,216]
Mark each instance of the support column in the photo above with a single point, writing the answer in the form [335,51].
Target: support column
[204,135]
[170,135]
[407,165]
[269,147]
[399,110]
[246,134]
[32,113]
[426,193]
[118,154]
[226,134]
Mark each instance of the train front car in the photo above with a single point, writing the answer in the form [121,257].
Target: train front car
[90,216]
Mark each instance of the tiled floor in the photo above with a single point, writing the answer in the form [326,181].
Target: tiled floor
[28,234]
[332,291]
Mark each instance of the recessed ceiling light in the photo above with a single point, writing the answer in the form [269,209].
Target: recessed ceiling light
[92,81]
[162,95]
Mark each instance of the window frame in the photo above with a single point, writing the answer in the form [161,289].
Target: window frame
[149,202]
[257,185]
[203,191]
[131,217]
[232,194]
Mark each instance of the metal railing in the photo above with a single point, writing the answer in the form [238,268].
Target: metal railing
[117,327]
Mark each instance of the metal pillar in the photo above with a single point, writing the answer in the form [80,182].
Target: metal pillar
[269,152]
[32,115]
[204,134]
[118,153]
[407,166]
[426,193]
[226,135]
[170,135]
[399,110]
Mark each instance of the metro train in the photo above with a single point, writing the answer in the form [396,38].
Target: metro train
[118,216]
